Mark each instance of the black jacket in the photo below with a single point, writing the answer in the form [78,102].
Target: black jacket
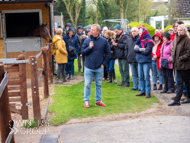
[112,48]
[129,50]
[120,48]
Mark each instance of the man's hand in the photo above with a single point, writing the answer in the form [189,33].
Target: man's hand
[102,66]
[115,44]
[91,44]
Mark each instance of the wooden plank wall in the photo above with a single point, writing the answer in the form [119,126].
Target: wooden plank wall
[24,6]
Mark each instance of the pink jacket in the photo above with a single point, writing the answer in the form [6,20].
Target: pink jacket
[167,51]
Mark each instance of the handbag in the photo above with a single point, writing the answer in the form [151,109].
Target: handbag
[164,62]
[72,51]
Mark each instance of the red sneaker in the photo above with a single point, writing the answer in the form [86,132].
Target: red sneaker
[100,103]
[86,104]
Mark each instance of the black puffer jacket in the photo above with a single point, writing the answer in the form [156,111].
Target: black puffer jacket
[112,48]
[129,49]
[120,48]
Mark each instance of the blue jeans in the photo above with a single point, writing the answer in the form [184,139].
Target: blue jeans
[156,72]
[88,75]
[144,77]
[134,71]
[184,86]
[70,67]
[110,66]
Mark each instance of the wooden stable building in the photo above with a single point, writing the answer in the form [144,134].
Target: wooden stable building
[17,18]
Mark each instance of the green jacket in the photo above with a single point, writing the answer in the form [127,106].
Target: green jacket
[174,46]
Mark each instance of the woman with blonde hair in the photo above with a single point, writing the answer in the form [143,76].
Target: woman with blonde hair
[181,60]
[60,53]
[110,35]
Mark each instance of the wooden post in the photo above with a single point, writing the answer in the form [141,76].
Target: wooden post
[23,85]
[45,72]
[5,114]
[50,72]
[35,89]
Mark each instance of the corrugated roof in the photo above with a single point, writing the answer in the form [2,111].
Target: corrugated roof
[183,7]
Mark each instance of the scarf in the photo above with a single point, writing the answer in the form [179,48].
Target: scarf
[144,38]
[121,34]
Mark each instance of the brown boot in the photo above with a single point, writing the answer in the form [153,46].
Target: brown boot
[141,94]
[120,84]
[183,97]
[125,85]
[148,96]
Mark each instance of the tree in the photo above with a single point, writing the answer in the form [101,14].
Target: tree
[70,5]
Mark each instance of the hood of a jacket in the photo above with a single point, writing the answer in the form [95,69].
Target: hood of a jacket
[157,34]
[56,38]
[71,28]
[79,27]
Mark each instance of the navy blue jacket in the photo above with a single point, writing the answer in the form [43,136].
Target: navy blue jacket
[146,56]
[98,55]
[74,43]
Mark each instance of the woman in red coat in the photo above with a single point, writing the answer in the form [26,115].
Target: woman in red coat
[156,53]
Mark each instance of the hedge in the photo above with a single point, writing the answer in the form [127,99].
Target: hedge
[150,29]
[168,27]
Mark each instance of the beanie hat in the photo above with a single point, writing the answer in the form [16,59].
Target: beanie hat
[68,24]
[117,26]
[142,26]
[167,35]
[170,29]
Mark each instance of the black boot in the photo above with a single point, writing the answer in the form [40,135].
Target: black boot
[114,80]
[160,87]
[155,88]
[110,78]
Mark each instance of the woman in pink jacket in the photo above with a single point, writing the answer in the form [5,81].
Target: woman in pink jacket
[166,52]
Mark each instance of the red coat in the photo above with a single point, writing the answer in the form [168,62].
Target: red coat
[158,52]
[172,37]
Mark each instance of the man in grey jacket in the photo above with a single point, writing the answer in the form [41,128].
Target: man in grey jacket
[131,56]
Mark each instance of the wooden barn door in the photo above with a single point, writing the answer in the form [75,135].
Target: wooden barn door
[16,40]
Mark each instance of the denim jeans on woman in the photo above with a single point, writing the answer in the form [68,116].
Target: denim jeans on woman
[134,71]
[155,72]
[144,77]
[110,66]
[70,67]
[88,75]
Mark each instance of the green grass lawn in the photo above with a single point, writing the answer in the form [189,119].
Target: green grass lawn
[68,101]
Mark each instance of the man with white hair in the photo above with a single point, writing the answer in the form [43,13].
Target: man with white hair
[131,56]
[104,31]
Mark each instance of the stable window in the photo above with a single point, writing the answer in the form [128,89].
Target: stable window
[21,24]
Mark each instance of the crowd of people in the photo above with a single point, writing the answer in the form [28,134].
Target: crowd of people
[165,54]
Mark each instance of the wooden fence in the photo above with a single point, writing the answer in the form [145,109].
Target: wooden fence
[6,123]
[17,87]
[45,72]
